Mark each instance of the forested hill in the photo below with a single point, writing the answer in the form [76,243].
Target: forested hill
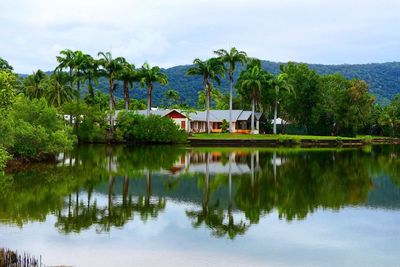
[383,79]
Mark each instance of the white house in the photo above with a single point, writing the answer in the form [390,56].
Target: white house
[196,121]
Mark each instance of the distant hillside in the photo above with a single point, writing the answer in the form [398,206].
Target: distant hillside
[383,79]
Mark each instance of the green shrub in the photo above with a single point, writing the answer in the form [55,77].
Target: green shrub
[149,129]
[4,156]
[224,126]
[94,125]
[33,130]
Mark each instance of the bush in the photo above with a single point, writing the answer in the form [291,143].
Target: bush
[4,156]
[94,125]
[224,126]
[150,129]
[33,130]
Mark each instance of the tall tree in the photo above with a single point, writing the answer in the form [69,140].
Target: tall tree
[110,68]
[172,96]
[279,83]
[303,105]
[91,73]
[128,75]
[149,75]
[231,58]
[66,61]
[58,91]
[80,62]
[34,84]
[210,69]
[251,83]
[4,65]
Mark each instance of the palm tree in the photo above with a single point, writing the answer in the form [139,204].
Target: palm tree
[172,96]
[128,75]
[58,91]
[149,75]
[110,68]
[210,69]
[280,82]
[90,73]
[66,61]
[251,82]
[34,84]
[79,63]
[232,57]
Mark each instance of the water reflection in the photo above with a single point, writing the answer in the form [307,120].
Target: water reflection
[228,189]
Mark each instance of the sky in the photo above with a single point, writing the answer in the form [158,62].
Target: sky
[175,32]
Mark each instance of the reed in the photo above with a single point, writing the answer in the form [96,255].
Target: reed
[10,258]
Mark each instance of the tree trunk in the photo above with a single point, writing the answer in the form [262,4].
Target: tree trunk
[253,104]
[208,107]
[113,98]
[78,89]
[90,88]
[230,100]
[70,77]
[58,96]
[148,183]
[111,180]
[207,181]
[111,104]
[126,95]
[125,190]
[275,115]
[149,95]
[230,181]
[78,117]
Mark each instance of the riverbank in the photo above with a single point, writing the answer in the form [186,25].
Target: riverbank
[268,140]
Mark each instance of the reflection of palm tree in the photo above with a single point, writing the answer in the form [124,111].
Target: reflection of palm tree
[145,206]
[212,215]
[231,229]
[82,218]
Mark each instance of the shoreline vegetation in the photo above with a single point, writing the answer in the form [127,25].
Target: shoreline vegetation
[9,258]
[268,140]
[45,114]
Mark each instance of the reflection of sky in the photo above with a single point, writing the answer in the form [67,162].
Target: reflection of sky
[350,237]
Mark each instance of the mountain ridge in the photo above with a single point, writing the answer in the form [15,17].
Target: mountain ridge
[383,80]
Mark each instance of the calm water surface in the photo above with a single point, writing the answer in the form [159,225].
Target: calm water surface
[169,206]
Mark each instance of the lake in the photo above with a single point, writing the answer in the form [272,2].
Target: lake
[176,206]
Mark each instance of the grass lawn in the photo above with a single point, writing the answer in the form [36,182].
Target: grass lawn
[234,136]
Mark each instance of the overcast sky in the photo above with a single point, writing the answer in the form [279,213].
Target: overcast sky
[174,32]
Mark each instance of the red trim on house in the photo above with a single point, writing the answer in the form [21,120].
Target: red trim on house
[175,115]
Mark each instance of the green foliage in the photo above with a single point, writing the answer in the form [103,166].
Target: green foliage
[33,85]
[94,125]
[4,156]
[171,98]
[149,129]
[4,66]
[303,104]
[8,83]
[57,89]
[224,126]
[148,76]
[33,130]
[389,118]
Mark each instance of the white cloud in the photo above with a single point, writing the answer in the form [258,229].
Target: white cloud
[177,31]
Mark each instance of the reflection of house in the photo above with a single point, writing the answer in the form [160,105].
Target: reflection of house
[218,163]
